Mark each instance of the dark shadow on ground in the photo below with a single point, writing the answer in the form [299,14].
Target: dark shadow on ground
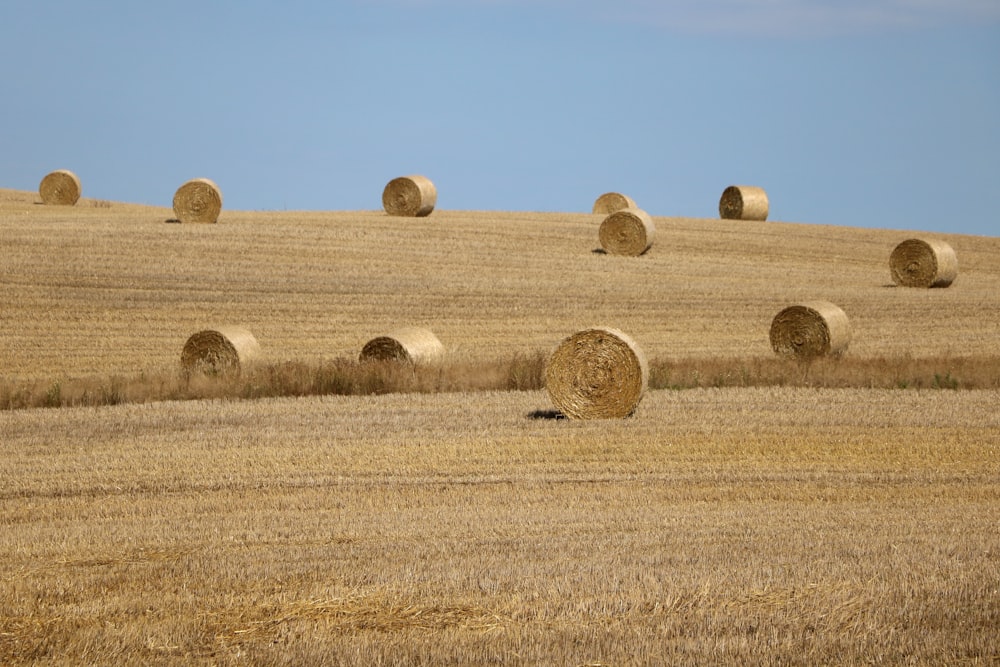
[546,414]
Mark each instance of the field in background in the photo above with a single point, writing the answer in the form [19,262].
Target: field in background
[745,524]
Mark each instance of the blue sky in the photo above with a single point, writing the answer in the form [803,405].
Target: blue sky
[877,113]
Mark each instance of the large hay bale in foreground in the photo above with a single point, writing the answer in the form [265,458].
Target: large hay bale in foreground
[412,196]
[610,202]
[223,351]
[198,200]
[923,263]
[629,232]
[809,330]
[743,202]
[410,344]
[60,187]
[597,373]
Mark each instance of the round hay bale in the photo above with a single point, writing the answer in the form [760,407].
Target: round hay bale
[743,202]
[198,200]
[411,196]
[629,231]
[410,344]
[222,351]
[809,330]
[60,187]
[597,373]
[610,202]
[923,263]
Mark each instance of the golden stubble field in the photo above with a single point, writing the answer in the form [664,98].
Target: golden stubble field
[760,524]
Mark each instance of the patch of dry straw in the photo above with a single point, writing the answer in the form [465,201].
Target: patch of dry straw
[809,330]
[60,187]
[743,202]
[222,351]
[411,196]
[597,373]
[923,263]
[198,200]
[409,344]
[629,232]
[610,202]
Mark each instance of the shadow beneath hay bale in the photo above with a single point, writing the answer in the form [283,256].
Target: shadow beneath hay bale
[546,414]
[599,251]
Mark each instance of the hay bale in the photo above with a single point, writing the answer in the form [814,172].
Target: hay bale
[923,263]
[198,200]
[743,202]
[809,330]
[629,231]
[411,344]
[60,187]
[597,374]
[610,202]
[222,351]
[411,196]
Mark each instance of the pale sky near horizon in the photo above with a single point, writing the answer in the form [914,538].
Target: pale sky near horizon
[878,113]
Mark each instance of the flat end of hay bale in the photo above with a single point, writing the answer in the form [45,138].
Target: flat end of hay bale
[610,202]
[629,231]
[743,202]
[409,344]
[198,200]
[597,373]
[411,196]
[60,188]
[221,351]
[923,263]
[809,330]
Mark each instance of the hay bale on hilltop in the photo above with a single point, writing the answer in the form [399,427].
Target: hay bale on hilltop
[411,196]
[923,263]
[223,351]
[809,330]
[610,202]
[409,344]
[60,187]
[629,232]
[743,202]
[597,373]
[198,200]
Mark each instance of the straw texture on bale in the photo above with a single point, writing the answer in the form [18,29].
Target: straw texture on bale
[597,373]
[60,187]
[629,231]
[222,351]
[743,202]
[410,196]
[410,344]
[809,330]
[610,202]
[198,200]
[923,263]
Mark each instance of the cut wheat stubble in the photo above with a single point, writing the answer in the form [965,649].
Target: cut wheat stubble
[610,202]
[60,187]
[627,232]
[743,202]
[198,200]
[226,351]
[411,196]
[597,373]
[810,330]
[923,263]
[408,344]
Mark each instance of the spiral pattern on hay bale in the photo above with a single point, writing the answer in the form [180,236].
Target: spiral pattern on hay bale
[60,187]
[628,232]
[223,351]
[597,373]
[610,202]
[809,330]
[198,200]
[743,202]
[923,263]
[411,196]
[409,344]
